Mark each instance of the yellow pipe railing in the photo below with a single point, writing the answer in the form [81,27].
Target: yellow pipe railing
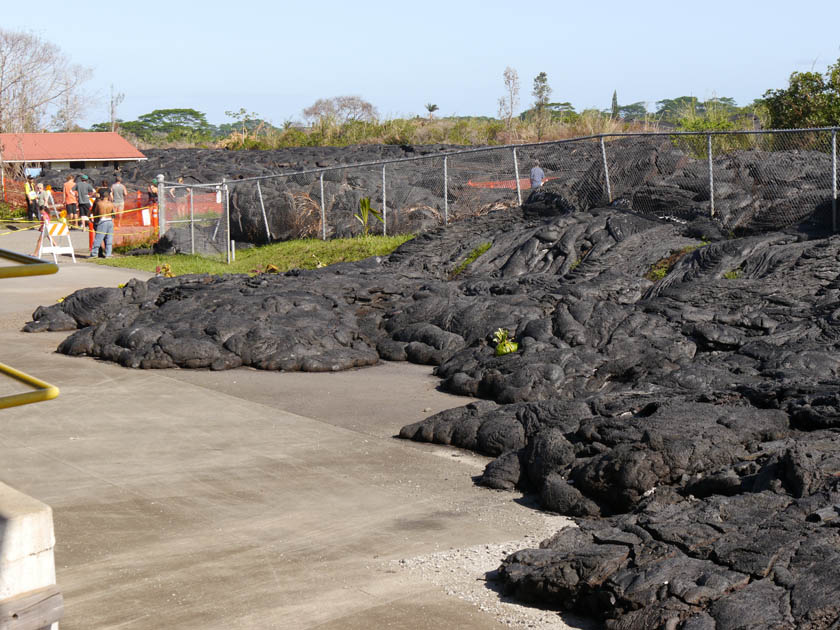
[43,391]
[27,266]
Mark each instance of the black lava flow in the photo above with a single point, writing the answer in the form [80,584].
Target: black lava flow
[690,424]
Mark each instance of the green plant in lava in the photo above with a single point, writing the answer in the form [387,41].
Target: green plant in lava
[365,212]
[504,343]
[663,266]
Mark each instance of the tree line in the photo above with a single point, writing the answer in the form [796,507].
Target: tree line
[40,89]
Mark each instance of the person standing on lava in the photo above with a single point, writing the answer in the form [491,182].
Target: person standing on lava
[537,175]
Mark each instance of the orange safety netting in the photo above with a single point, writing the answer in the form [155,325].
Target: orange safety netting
[206,204]
[524,183]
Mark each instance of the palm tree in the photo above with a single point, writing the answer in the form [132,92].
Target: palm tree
[432,109]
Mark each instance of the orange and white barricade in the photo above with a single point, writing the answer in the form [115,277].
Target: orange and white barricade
[55,231]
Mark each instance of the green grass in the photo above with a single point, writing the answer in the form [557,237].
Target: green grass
[732,274]
[8,211]
[471,258]
[298,254]
[661,267]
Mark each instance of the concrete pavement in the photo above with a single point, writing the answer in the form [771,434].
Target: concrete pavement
[239,499]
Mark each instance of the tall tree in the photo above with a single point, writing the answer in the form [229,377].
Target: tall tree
[633,111]
[171,125]
[431,108]
[341,109]
[542,95]
[615,110]
[674,109]
[810,100]
[37,80]
[510,101]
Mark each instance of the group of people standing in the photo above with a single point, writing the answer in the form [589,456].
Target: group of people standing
[99,206]
[82,203]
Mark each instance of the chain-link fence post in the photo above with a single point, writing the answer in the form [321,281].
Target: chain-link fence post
[161,206]
[192,222]
[323,211]
[445,190]
[606,170]
[711,176]
[834,180]
[384,206]
[516,175]
[265,218]
[227,218]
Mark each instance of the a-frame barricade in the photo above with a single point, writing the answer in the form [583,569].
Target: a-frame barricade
[55,231]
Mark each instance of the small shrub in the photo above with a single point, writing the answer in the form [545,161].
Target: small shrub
[663,266]
[733,274]
[365,212]
[504,343]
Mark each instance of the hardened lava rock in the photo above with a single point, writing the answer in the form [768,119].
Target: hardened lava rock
[675,391]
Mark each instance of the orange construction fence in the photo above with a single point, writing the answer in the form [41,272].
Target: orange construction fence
[137,222]
[524,183]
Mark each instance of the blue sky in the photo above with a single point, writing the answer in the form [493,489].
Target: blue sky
[275,58]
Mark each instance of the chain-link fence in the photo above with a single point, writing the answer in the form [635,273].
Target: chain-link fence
[195,218]
[746,181]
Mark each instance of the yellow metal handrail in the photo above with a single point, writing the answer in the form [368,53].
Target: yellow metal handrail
[28,266]
[43,391]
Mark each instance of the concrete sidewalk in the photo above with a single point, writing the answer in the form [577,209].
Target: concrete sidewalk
[240,499]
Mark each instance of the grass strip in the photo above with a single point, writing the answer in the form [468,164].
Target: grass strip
[471,258]
[279,257]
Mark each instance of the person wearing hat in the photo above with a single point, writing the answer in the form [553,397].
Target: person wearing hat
[153,191]
[84,191]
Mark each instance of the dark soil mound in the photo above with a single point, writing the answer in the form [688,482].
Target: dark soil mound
[679,397]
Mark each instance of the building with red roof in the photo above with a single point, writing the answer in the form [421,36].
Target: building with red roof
[73,150]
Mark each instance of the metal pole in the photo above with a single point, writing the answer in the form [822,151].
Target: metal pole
[192,222]
[834,180]
[265,218]
[161,205]
[384,206]
[445,190]
[516,174]
[711,176]
[323,212]
[606,170]
[227,217]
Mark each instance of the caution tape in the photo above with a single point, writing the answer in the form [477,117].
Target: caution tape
[18,231]
[110,214]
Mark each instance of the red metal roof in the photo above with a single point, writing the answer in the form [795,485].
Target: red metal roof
[59,147]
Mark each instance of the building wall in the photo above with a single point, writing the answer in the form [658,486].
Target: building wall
[81,165]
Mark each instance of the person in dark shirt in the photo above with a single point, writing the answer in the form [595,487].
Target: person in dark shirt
[84,191]
[153,191]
